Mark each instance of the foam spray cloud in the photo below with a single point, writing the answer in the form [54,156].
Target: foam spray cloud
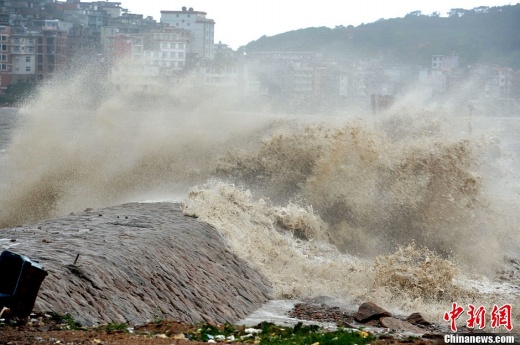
[310,201]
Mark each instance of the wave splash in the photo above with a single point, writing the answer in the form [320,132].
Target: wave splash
[403,205]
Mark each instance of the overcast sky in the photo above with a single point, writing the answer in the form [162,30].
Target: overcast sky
[240,22]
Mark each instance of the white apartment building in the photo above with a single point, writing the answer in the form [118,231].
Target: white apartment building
[23,50]
[201,29]
[445,62]
[167,50]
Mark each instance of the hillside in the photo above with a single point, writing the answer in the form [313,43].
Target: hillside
[479,35]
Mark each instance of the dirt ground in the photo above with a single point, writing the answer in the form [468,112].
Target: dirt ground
[163,333]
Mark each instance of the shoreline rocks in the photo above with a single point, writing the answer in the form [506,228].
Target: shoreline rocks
[368,314]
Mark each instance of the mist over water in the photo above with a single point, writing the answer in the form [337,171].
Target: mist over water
[412,209]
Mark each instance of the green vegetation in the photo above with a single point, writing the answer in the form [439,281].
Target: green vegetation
[272,334]
[114,327]
[69,323]
[481,35]
[67,320]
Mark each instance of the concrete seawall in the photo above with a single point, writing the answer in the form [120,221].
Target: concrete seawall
[137,262]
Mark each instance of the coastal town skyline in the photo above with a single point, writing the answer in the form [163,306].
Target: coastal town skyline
[238,23]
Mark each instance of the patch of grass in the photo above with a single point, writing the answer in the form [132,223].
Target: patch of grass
[308,335]
[276,335]
[157,319]
[68,320]
[115,327]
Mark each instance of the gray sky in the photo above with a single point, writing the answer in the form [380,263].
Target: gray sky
[239,22]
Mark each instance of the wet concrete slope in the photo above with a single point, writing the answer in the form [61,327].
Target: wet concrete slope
[137,262]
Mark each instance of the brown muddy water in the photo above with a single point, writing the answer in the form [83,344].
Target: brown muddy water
[414,209]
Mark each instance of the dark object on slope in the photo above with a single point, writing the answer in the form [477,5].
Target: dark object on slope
[20,280]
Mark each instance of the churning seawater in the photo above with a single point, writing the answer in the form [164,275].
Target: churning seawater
[414,209]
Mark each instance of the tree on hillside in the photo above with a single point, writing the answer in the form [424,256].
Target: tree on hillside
[482,35]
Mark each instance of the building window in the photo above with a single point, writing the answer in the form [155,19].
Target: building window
[3,38]
[3,67]
[3,57]
[27,59]
[27,68]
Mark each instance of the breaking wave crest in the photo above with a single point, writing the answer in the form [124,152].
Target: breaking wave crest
[373,189]
[303,266]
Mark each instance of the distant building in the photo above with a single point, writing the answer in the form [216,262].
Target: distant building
[167,48]
[201,30]
[163,48]
[148,57]
[31,55]
[23,50]
[445,62]
[5,57]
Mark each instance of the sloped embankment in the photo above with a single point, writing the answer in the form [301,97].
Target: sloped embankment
[137,262]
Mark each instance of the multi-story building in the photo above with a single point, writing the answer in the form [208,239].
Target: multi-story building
[445,62]
[123,31]
[51,52]
[142,60]
[31,55]
[5,57]
[23,55]
[167,48]
[201,30]
[164,48]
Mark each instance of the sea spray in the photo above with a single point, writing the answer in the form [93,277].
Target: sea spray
[81,143]
[373,190]
[320,204]
[410,279]
[254,231]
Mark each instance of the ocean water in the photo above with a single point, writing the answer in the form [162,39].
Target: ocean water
[413,209]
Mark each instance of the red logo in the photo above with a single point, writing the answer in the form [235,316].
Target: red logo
[453,315]
[476,317]
[500,316]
